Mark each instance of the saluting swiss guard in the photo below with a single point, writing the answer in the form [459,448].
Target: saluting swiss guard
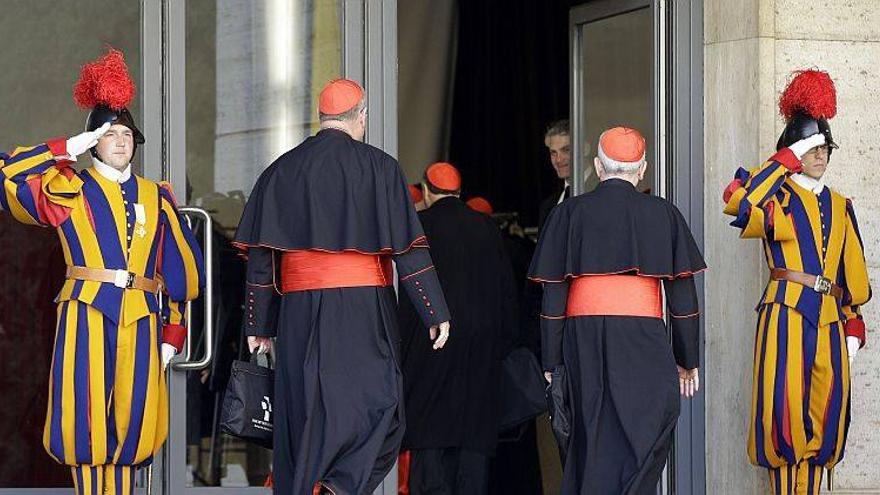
[605,258]
[452,397]
[321,228]
[126,248]
[809,320]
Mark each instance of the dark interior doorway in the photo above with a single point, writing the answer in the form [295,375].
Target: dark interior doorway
[505,79]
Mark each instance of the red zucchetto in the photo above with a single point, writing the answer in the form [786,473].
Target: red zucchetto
[415,193]
[480,204]
[443,176]
[339,96]
[623,144]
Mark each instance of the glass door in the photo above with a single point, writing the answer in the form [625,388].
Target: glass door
[240,82]
[614,81]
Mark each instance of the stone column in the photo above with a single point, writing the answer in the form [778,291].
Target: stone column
[734,136]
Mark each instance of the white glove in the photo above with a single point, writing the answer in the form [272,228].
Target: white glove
[801,147]
[79,144]
[168,352]
[261,344]
[852,347]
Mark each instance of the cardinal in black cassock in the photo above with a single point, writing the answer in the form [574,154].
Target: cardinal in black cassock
[321,228]
[452,396]
[602,258]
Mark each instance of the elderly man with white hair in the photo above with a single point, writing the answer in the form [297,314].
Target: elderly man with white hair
[605,259]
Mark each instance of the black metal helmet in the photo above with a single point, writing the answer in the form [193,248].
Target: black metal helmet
[801,126]
[102,114]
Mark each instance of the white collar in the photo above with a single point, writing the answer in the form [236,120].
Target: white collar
[111,173]
[809,183]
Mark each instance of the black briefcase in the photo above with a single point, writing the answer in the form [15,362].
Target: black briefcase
[247,404]
[560,410]
[522,389]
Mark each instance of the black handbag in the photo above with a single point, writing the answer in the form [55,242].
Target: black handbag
[560,410]
[247,404]
[522,389]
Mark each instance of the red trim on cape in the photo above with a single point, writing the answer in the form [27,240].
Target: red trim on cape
[382,251]
[635,271]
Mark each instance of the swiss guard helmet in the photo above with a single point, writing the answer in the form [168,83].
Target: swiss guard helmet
[105,88]
[807,103]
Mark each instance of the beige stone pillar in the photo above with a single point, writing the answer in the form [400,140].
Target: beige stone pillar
[734,136]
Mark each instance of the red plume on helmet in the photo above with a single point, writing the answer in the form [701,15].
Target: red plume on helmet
[105,82]
[811,92]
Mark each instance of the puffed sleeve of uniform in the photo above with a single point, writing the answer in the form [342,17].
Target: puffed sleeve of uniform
[749,197]
[39,185]
[181,267]
[261,295]
[855,281]
[419,280]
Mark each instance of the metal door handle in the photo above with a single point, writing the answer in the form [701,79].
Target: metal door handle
[208,296]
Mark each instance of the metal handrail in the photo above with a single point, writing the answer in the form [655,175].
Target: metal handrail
[208,297]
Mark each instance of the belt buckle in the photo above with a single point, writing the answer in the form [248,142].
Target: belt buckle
[822,285]
[124,279]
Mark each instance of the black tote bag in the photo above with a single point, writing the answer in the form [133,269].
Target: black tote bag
[247,404]
[560,410]
[522,389]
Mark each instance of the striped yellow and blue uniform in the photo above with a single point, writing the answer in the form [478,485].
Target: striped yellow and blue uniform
[107,408]
[800,403]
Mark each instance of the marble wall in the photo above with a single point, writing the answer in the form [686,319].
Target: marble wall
[751,47]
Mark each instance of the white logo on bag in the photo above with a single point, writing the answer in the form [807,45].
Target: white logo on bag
[267,408]
[264,424]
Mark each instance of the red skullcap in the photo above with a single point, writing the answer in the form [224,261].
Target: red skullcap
[415,193]
[480,204]
[443,176]
[623,144]
[339,96]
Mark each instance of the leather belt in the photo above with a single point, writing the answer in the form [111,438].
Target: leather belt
[818,283]
[120,278]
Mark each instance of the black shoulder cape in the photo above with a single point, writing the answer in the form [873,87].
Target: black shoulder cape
[615,229]
[331,193]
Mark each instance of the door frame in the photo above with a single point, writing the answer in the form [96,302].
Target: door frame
[677,81]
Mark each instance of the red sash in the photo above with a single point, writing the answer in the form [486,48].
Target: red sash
[312,270]
[615,295]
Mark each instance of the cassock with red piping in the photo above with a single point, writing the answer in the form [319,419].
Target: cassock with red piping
[320,229]
[604,257]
